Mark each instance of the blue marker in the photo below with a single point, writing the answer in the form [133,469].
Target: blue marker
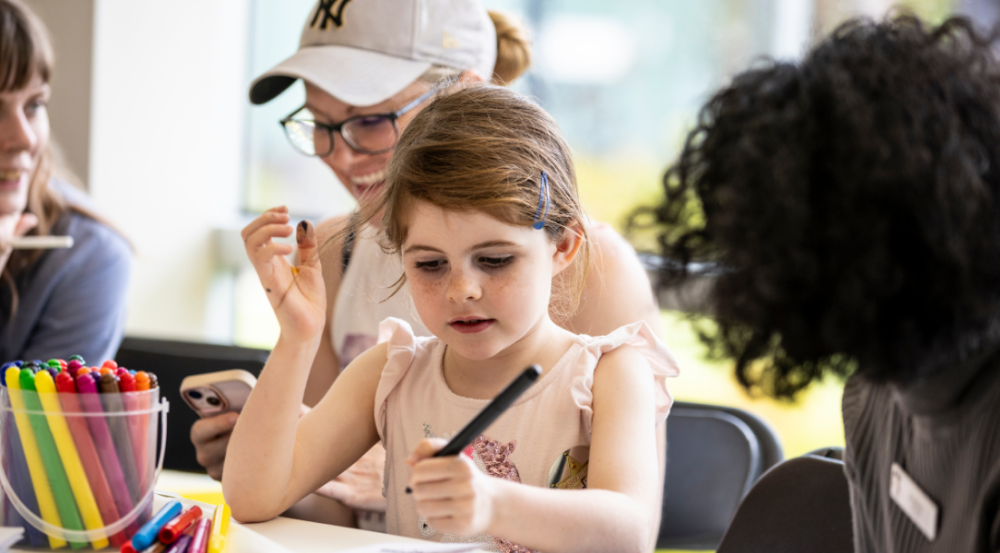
[147,534]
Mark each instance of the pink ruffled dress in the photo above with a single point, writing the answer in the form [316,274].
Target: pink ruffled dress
[542,440]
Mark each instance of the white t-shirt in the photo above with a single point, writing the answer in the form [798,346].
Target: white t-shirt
[363,299]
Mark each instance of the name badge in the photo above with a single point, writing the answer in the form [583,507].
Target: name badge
[918,506]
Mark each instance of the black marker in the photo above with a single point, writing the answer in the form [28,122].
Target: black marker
[490,413]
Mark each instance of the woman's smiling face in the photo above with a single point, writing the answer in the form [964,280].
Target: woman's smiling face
[479,284]
[24,134]
[363,175]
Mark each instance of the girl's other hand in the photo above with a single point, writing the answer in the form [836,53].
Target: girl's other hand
[452,494]
[297,294]
[360,487]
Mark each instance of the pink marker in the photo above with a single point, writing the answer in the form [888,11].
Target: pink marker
[91,402]
[199,543]
[73,366]
[89,457]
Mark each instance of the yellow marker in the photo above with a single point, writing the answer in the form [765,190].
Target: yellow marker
[39,479]
[70,458]
[220,525]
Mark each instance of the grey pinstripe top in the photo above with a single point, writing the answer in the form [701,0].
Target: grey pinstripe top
[944,432]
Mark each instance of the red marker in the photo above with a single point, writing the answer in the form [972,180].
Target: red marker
[110,363]
[126,384]
[176,527]
[88,453]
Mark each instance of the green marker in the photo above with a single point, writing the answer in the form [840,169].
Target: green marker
[50,458]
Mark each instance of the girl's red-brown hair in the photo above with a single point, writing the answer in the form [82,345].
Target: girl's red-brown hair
[484,148]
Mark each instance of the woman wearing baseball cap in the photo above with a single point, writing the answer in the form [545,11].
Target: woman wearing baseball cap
[368,67]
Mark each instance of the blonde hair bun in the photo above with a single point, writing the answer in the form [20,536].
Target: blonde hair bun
[513,48]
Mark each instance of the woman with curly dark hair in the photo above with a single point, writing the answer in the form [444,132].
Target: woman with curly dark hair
[852,204]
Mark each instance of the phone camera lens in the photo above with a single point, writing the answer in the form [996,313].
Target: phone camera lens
[194,394]
[213,401]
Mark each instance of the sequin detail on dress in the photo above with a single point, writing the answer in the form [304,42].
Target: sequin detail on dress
[493,458]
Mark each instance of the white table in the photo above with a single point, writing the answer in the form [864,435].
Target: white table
[284,535]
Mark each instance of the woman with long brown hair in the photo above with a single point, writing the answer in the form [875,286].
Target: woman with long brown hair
[53,303]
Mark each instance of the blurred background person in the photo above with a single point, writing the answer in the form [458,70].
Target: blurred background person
[852,205]
[53,303]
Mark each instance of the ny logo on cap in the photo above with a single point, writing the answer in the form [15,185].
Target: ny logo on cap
[326,9]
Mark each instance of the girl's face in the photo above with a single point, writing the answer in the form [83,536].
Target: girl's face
[362,174]
[479,284]
[24,134]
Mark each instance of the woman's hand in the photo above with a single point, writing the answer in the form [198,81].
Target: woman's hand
[210,437]
[13,225]
[297,294]
[451,492]
[360,487]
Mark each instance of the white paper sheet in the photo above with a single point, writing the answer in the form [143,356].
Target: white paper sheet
[416,548]
[9,536]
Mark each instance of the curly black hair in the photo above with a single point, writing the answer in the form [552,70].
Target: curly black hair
[852,201]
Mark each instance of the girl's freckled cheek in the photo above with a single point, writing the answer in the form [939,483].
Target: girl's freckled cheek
[426,286]
[499,286]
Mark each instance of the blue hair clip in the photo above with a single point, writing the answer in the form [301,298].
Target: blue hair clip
[543,195]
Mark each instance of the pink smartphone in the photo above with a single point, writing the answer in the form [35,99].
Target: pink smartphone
[220,392]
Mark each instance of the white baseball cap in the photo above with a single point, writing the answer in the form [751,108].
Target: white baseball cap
[365,51]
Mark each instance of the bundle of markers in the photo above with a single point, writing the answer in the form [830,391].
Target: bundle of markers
[78,451]
[172,530]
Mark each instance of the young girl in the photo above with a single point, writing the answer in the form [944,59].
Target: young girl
[481,205]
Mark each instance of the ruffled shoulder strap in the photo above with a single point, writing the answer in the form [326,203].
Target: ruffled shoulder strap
[638,335]
[401,350]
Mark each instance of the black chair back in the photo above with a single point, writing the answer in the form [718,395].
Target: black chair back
[802,504]
[714,455]
[172,361]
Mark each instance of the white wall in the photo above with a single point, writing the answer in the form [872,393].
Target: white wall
[70,24]
[166,146]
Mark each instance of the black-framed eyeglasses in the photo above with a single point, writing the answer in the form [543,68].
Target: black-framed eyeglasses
[365,134]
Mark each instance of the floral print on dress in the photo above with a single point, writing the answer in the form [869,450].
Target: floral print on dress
[493,458]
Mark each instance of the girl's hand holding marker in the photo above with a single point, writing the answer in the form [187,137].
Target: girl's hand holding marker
[451,492]
[297,294]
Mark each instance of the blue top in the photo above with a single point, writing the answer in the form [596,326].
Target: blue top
[71,301]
